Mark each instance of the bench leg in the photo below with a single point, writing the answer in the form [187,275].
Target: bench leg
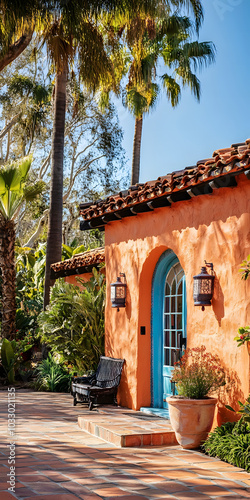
[74,401]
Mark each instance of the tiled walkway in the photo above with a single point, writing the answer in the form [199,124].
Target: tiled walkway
[56,460]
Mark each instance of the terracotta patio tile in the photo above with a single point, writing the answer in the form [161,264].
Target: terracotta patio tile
[25,478]
[212,490]
[4,486]
[7,496]
[238,476]
[89,496]
[94,481]
[131,497]
[109,491]
[64,496]
[25,492]
[133,440]
[233,497]
[240,491]
[205,473]
[150,478]
[47,487]
[186,495]
[150,492]
[127,497]
[75,488]
[178,474]
[131,486]
[171,486]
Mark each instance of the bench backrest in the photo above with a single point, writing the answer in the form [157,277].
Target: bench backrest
[108,373]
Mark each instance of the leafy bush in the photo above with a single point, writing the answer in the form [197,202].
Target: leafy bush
[8,359]
[29,289]
[12,358]
[51,376]
[244,410]
[73,323]
[231,443]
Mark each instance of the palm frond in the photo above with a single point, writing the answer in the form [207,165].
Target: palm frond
[201,54]
[189,79]
[194,6]
[95,66]
[172,88]
[31,192]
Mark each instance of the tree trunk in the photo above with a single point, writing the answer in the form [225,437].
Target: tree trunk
[136,151]
[15,50]
[7,265]
[54,239]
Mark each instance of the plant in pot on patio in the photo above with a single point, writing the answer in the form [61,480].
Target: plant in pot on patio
[196,375]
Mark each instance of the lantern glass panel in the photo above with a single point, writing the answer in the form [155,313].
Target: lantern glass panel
[120,292]
[206,286]
[196,286]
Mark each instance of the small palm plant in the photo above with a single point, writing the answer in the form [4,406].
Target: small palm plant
[51,376]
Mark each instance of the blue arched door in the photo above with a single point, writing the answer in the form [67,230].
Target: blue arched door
[168,324]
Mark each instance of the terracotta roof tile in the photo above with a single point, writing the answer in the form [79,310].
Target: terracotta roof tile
[82,262]
[178,186]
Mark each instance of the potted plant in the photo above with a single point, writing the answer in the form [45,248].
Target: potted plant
[196,375]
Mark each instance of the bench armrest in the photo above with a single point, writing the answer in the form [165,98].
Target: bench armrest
[84,380]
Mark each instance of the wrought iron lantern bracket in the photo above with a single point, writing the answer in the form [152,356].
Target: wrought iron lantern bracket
[204,286]
[119,292]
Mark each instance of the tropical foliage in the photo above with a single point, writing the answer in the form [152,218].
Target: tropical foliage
[13,194]
[12,353]
[73,323]
[52,376]
[231,443]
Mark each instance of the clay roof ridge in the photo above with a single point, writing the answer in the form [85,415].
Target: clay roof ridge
[237,156]
[92,255]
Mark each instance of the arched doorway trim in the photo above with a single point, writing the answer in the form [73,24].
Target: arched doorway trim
[167,261]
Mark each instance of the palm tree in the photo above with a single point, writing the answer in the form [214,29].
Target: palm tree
[13,194]
[75,35]
[168,38]
[94,67]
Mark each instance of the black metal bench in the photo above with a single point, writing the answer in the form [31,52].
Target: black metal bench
[101,387]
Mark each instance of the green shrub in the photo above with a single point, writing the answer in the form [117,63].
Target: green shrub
[231,443]
[51,376]
[8,359]
[12,352]
[73,323]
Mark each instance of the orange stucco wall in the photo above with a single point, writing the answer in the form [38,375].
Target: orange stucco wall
[73,279]
[215,227]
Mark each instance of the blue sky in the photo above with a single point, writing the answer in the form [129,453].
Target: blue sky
[173,139]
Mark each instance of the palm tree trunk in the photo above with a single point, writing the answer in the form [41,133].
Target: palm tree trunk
[136,151]
[54,239]
[7,265]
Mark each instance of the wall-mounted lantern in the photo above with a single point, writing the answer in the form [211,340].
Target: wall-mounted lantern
[204,286]
[119,292]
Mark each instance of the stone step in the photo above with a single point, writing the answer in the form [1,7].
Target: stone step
[127,428]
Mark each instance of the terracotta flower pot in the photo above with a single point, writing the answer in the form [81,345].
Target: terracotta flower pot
[191,419]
